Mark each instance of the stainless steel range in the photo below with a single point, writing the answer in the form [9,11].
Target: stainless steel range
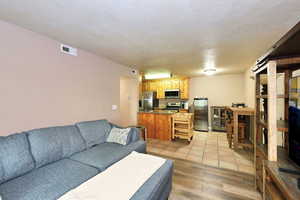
[173,106]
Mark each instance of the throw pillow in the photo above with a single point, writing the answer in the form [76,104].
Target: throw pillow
[118,135]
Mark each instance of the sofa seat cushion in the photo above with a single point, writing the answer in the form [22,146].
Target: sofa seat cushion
[102,155]
[15,156]
[54,143]
[48,182]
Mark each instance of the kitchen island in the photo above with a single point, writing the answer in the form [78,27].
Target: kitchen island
[158,123]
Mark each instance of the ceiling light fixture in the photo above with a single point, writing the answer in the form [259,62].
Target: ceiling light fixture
[209,71]
[157,76]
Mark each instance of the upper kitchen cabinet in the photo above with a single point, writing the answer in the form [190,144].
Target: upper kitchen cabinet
[153,86]
[160,89]
[160,85]
[175,84]
[184,88]
[145,86]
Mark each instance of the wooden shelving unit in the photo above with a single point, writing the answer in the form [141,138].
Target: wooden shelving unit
[282,125]
[265,96]
[283,58]
[267,155]
[280,185]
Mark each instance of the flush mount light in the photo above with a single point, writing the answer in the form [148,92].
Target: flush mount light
[209,71]
[157,76]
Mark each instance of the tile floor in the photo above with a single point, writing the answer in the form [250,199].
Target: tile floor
[209,148]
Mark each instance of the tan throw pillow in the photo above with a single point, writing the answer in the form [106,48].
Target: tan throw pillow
[118,135]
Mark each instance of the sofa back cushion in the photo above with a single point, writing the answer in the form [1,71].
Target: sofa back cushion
[72,141]
[54,143]
[94,132]
[15,156]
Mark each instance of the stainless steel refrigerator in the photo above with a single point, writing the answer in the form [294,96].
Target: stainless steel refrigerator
[200,107]
[150,100]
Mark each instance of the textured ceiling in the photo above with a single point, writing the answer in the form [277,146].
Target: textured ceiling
[180,36]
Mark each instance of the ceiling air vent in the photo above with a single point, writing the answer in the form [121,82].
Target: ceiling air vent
[68,50]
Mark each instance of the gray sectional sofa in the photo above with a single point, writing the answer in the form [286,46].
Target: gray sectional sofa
[46,163]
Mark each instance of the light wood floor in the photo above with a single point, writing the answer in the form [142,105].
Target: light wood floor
[195,181]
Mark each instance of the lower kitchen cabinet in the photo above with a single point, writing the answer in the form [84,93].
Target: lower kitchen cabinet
[148,121]
[159,126]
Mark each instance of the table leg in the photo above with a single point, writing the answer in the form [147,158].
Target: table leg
[235,130]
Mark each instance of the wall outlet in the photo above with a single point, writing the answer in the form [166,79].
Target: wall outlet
[114,107]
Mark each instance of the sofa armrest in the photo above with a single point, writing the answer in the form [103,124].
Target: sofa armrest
[134,135]
[138,146]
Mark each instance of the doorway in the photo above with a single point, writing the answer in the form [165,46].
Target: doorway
[128,101]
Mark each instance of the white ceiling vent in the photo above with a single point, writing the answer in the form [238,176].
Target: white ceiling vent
[68,50]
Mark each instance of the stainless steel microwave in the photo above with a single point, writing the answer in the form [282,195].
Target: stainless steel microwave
[172,94]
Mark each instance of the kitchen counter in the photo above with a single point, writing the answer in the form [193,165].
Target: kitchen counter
[167,112]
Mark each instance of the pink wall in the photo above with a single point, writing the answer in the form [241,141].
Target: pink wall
[40,86]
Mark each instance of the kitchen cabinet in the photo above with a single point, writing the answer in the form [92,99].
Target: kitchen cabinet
[153,86]
[175,84]
[160,89]
[146,86]
[161,85]
[159,126]
[163,126]
[147,120]
[167,84]
[184,88]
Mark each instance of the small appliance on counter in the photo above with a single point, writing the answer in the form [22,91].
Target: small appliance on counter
[185,105]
